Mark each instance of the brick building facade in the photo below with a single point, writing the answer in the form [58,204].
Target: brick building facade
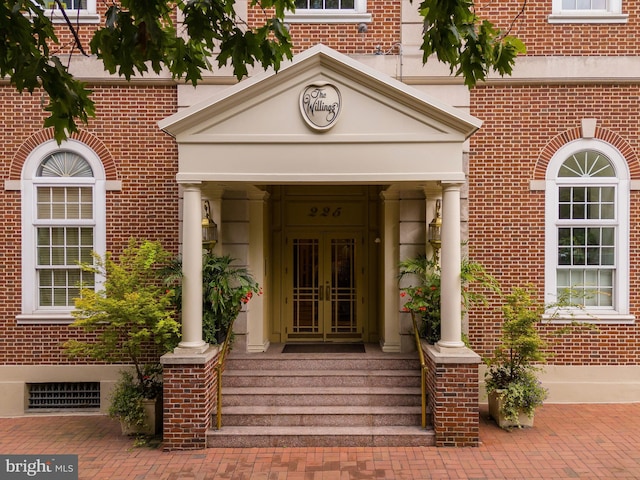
[408,135]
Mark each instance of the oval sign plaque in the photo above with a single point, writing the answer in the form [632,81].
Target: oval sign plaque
[320,105]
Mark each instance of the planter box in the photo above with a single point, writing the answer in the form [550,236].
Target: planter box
[153,423]
[495,404]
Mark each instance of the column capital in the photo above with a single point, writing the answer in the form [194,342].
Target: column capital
[451,185]
[191,186]
[257,194]
[386,195]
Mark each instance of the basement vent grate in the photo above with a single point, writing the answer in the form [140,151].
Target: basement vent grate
[66,395]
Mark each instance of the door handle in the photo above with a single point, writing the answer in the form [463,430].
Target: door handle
[327,291]
[320,293]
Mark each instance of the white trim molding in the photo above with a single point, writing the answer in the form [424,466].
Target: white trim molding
[82,16]
[358,14]
[619,312]
[31,313]
[612,14]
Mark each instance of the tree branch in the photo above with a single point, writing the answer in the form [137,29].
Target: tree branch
[515,19]
[72,29]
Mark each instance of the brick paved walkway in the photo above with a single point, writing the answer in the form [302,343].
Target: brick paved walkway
[568,441]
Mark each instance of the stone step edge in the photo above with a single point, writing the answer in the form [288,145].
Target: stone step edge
[400,430]
[321,390]
[319,410]
[236,355]
[321,373]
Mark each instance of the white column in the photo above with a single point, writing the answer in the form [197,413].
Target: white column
[257,321]
[192,270]
[450,259]
[390,293]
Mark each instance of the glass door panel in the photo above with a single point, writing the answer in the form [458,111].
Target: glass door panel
[342,289]
[306,289]
[324,287]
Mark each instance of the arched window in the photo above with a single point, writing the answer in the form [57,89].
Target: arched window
[63,206]
[587,229]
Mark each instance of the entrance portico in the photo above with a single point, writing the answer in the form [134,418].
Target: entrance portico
[262,133]
[321,178]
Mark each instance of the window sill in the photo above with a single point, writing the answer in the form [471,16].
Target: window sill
[590,318]
[588,18]
[325,17]
[50,318]
[75,17]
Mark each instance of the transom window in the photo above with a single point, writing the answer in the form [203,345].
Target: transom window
[325,4]
[587,225]
[584,5]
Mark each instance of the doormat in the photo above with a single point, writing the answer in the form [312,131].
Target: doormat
[324,348]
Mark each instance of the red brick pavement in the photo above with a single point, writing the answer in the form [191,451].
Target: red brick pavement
[568,441]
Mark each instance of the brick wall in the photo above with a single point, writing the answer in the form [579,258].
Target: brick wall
[134,150]
[452,400]
[383,30]
[189,399]
[544,38]
[531,25]
[506,218]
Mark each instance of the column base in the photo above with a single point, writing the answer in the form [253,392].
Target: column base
[451,348]
[191,348]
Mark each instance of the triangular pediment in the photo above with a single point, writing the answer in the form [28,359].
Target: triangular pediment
[372,104]
[377,112]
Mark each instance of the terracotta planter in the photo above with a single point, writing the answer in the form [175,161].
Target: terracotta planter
[153,422]
[495,405]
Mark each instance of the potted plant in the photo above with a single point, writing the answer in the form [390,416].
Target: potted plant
[136,404]
[225,288]
[130,320]
[423,297]
[511,381]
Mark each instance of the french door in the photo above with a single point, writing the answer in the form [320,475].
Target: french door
[323,279]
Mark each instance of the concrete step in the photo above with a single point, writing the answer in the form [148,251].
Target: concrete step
[329,436]
[296,362]
[346,396]
[337,416]
[315,378]
[282,399]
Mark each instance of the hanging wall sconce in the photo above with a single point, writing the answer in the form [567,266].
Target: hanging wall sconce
[209,229]
[435,230]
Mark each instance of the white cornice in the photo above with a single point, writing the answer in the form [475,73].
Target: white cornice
[410,70]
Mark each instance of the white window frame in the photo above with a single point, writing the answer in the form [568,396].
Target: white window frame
[619,313]
[30,311]
[88,15]
[307,15]
[612,14]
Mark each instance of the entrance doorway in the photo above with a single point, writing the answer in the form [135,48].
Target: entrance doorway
[325,263]
[323,286]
